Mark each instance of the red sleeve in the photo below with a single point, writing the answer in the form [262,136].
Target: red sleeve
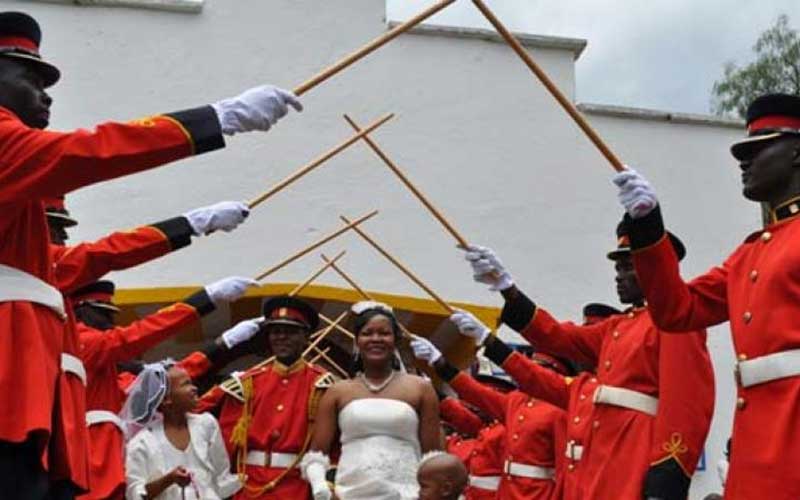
[538,381]
[470,390]
[99,348]
[79,265]
[125,380]
[209,401]
[545,333]
[685,400]
[196,364]
[460,417]
[676,305]
[38,163]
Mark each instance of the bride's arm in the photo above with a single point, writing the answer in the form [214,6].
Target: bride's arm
[429,425]
[315,462]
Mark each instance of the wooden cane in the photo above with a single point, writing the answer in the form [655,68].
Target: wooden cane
[299,288]
[324,334]
[400,266]
[407,334]
[324,354]
[314,245]
[339,328]
[319,354]
[462,242]
[370,47]
[318,161]
[551,87]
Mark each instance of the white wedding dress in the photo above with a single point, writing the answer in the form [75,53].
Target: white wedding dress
[380,450]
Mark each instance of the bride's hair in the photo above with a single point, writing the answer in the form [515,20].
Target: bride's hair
[361,319]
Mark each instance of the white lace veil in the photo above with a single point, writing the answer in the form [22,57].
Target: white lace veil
[144,397]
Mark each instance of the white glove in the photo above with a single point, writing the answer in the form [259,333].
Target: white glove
[242,332]
[225,216]
[229,289]
[469,326]
[635,193]
[313,468]
[425,350]
[255,109]
[487,268]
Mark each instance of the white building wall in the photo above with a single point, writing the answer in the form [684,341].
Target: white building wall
[473,130]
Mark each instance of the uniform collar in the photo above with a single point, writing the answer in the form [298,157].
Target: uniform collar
[786,210]
[282,369]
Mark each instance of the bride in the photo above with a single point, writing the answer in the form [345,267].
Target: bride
[385,419]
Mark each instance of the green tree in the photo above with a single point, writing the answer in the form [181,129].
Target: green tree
[776,69]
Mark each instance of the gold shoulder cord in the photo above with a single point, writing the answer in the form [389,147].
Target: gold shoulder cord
[313,403]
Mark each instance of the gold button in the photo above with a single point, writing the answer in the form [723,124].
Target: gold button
[582,397]
[741,403]
[630,314]
[515,437]
[596,424]
[747,316]
[615,334]
[284,381]
[529,404]
[576,420]
[279,407]
[594,380]
[608,364]
[474,453]
[766,236]
[571,467]
[742,357]
[753,275]
[520,418]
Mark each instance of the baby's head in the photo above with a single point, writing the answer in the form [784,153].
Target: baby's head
[441,476]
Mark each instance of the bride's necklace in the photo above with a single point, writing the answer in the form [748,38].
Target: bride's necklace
[376,387]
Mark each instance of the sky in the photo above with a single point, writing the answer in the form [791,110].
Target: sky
[658,54]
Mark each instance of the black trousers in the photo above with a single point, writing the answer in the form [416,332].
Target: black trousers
[22,476]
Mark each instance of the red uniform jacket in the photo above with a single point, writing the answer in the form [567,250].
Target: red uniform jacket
[630,353]
[484,455]
[36,164]
[757,290]
[77,266]
[534,433]
[281,401]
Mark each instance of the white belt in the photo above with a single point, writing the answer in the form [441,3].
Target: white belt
[16,285]
[574,451]
[529,471]
[768,368]
[276,460]
[95,417]
[626,398]
[73,365]
[490,483]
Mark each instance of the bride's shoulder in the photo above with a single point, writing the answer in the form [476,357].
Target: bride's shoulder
[408,378]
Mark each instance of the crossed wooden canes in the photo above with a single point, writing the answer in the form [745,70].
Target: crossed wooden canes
[363,134]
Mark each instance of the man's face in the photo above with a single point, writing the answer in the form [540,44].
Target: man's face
[769,171]
[22,91]
[96,317]
[58,232]
[628,288]
[287,342]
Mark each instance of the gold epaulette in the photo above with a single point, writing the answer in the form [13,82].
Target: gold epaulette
[325,381]
[232,386]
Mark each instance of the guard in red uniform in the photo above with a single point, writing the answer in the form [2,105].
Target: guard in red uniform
[756,289]
[643,390]
[267,412]
[37,164]
[104,346]
[533,428]
[484,454]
